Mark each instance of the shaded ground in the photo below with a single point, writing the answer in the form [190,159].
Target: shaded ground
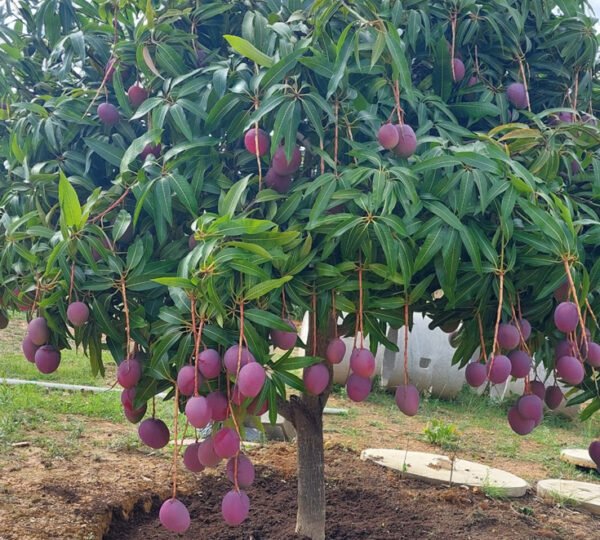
[69,464]
[364,500]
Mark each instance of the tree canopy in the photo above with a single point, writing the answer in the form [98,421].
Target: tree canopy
[499,203]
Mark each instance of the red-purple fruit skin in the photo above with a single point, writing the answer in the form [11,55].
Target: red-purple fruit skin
[407,141]
[565,117]
[47,359]
[226,443]
[284,340]
[281,166]
[277,182]
[186,380]
[594,452]
[459,70]
[407,399]
[127,398]
[520,363]
[564,348]
[190,458]
[553,397]
[593,354]
[362,362]
[508,336]
[537,388]
[137,95]
[517,95]
[219,408]
[150,148]
[129,373]
[251,379]
[357,387]
[530,406]
[525,327]
[566,317]
[570,369]
[230,358]
[209,363]
[316,378]
[335,351]
[29,349]
[245,471]
[476,374]
[235,507]
[264,142]
[109,70]
[206,453]
[237,398]
[108,114]
[197,410]
[174,516]
[254,410]
[472,81]
[499,369]
[561,293]
[78,313]
[135,416]
[388,136]
[520,425]
[154,433]
[38,331]
[192,242]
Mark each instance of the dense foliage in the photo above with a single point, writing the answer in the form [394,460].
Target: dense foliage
[493,195]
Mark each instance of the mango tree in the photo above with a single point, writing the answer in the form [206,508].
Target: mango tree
[181,180]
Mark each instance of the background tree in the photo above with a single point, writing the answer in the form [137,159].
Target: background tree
[131,184]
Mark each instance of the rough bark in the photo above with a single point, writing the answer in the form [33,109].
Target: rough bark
[306,414]
[310,520]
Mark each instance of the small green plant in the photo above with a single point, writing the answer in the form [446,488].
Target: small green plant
[441,434]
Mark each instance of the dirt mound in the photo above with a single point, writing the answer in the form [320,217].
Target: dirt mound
[364,500]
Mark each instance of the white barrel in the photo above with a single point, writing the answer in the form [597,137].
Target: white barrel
[429,362]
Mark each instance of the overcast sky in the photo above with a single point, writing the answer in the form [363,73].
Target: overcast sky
[595,6]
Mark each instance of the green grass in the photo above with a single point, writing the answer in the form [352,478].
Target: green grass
[74,369]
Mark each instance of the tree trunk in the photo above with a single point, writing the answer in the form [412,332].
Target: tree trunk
[310,520]
[306,414]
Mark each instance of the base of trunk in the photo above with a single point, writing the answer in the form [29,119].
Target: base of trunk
[311,472]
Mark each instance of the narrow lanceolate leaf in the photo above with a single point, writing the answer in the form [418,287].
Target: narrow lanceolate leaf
[184,192]
[266,319]
[108,152]
[233,197]
[281,68]
[400,64]
[245,48]
[69,203]
[265,287]
[150,63]
[442,211]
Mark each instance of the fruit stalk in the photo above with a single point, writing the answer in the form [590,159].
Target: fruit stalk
[360,300]
[575,300]
[126,309]
[111,207]
[175,453]
[334,314]
[482,353]
[406,339]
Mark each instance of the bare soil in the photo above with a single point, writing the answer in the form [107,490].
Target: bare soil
[105,489]
[364,500]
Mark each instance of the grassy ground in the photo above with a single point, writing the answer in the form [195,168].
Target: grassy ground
[471,426]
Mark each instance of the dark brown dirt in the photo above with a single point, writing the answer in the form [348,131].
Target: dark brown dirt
[364,501]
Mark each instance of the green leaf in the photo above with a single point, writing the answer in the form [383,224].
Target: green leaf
[229,203]
[291,363]
[184,192]
[266,319]
[280,69]
[265,287]
[106,151]
[70,208]
[136,147]
[441,211]
[245,48]
[399,62]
